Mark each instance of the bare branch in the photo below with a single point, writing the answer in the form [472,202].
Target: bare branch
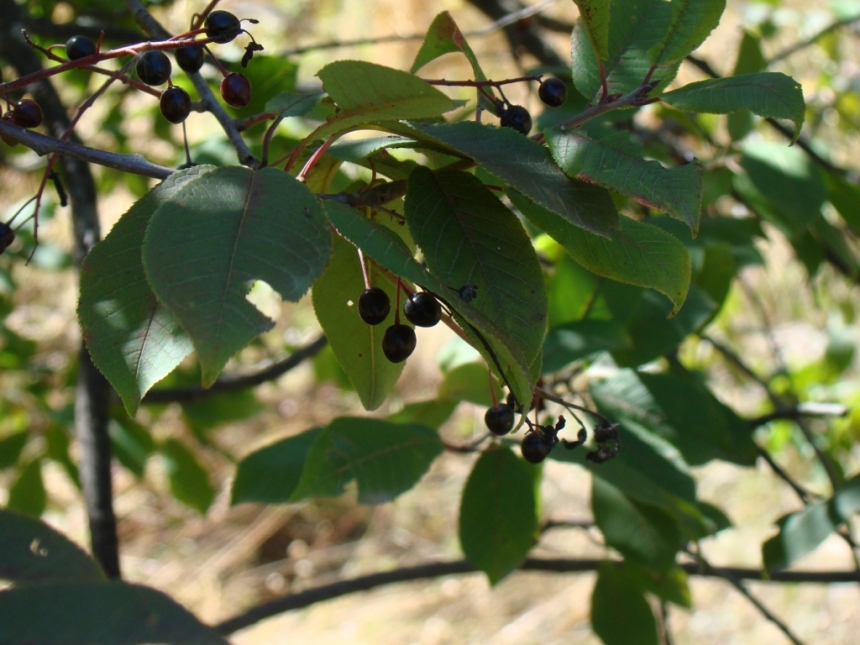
[455,567]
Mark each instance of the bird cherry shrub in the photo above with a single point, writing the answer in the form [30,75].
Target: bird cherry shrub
[548,243]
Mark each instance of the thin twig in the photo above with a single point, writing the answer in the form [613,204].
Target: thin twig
[793,49]
[455,567]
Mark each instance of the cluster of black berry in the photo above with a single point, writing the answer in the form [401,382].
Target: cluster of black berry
[552,92]
[421,309]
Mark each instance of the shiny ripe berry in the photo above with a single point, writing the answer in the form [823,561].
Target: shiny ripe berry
[398,343]
[500,419]
[552,92]
[7,236]
[9,119]
[518,118]
[422,309]
[534,448]
[236,90]
[153,67]
[222,26]
[175,104]
[373,305]
[79,47]
[189,59]
[26,113]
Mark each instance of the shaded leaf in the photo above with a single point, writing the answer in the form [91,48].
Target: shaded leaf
[680,410]
[469,382]
[750,60]
[27,492]
[634,253]
[189,482]
[444,37]
[287,104]
[271,474]
[227,407]
[528,167]
[269,77]
[692,22]
[581,338]
[498,513]
[131,444]
[800,533]
[356,345]
[845,197]
[635,26]
[386,459]
[620,614]
[432,413]
[99,613]
[389,250]
[611,163]
[468,237]
[638,531]
[34,553]
[768,94]
[11,447]
[132,338]
[594,17]
[671,585]
[205,247]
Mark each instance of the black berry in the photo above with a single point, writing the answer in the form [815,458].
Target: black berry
[500,419]
[175,104]
[7,236]
[189,59]
[236,90]
[222,26]
[422,309]
[552,92]
[534,447]
[26,113]
[398,343]
[373,305]
[153,67]
[79,47]
[518,118]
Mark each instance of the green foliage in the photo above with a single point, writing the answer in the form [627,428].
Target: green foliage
[619,590]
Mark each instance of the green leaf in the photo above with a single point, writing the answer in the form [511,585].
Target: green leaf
[99,613]
[58,450]
[431,413]
[680,410]
[132,444]
[768,94]
[789,183]
[469,237]
[27,492]
[227,407]
[469,382]
[34,553]
[800,533]
[132,338]
[581,338]
[634,253]
[385,459]
[638,531]
[269,76]
[498,513]
[189,482]
[611,163]
[11,447]
[594,18]
[356,345]
[271,474]
[206,245]
[620,614]
[389,251]
[635,26]
[750,60]
[672,584]
[692,22]
[287,104]
[444,37]
[845,197]
[369,93]
[528,167]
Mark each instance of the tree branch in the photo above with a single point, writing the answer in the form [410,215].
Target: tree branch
[455,567]
[154,29]
[793,49]
[235,383]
